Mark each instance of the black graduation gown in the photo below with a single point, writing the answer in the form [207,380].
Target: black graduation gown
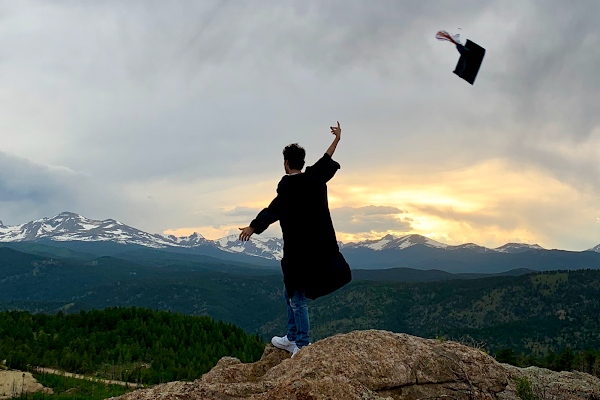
[311,256]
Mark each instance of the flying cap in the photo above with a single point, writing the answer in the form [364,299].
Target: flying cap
[471,56]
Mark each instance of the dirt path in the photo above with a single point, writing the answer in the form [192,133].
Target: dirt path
[13,383]
[89,378]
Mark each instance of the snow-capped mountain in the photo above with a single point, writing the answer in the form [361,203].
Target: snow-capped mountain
[517,248]
[69,226]
[391,242]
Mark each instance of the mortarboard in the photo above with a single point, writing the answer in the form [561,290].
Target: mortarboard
[471,56]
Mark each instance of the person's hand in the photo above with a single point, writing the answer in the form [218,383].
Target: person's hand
[246,233]
[337,131]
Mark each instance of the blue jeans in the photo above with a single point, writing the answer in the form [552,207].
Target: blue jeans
[297,316]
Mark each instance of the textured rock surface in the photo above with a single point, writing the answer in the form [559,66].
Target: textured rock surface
[358,365]
[550,385]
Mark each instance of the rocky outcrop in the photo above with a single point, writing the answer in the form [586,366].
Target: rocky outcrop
[549,385]
[359,365]
[13,383]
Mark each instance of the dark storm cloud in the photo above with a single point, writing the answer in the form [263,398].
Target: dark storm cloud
[23,180]
[554,61]
[30,190]
[173,89]
[34,190]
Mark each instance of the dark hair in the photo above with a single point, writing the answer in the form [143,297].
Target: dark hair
[294,154]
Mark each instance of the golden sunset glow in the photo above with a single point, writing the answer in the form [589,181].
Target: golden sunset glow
[490,204]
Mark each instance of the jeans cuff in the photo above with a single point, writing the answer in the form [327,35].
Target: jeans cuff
[291,338]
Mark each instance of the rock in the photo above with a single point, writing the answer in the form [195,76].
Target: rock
[547,384]
[12,383]
[72,391]
[367,365]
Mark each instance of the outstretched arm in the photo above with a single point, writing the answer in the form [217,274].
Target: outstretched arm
[265,218]
[337,131]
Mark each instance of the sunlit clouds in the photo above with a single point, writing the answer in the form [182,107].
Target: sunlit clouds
[490,204]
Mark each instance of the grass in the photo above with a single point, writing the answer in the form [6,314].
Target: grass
[525,390]
[74,389]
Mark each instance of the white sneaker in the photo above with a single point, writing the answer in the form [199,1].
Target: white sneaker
[296,349]
[283,343]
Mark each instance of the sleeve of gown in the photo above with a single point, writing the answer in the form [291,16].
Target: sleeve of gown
[324,169]
[270,214]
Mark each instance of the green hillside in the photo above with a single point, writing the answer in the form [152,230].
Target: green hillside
[128,344]
[532,314]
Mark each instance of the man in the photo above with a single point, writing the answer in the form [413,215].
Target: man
[312,263]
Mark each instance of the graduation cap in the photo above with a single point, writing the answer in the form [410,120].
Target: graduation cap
[471,56]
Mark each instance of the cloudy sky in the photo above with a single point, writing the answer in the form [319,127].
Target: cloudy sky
[171,116]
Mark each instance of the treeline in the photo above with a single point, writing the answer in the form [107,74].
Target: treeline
[587,361]
[130,344]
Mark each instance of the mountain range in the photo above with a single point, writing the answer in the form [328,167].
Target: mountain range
[110,237]
[68,226]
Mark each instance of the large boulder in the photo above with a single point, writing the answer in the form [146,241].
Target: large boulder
[358,365]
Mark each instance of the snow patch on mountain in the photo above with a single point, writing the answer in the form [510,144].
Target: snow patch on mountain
[259,246]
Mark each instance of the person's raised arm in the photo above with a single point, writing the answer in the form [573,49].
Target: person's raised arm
[337,131]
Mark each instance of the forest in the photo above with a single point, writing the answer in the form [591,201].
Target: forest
[145,346]
[587,361]
[128,344]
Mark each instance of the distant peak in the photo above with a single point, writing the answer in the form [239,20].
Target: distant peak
[388,237]
[412,236]
[512,244]
[68,214]
[518,247]
[1,224]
